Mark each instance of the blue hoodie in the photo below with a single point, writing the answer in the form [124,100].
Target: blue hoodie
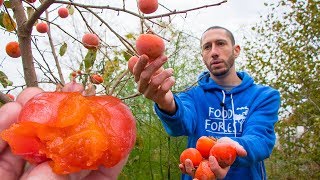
[247,114]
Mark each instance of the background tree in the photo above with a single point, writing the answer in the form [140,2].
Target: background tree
[285,54]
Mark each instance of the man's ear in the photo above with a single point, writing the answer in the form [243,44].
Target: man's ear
[236,50]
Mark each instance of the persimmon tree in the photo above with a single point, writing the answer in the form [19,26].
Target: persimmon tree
[285,54]
[20,18]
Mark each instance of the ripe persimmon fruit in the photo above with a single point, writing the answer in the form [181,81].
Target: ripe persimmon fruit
[42,27]
[72,132]
[151,45]
[225,154]
[204,144]
[148,6]
[90,41]
[204,172]
[96,79]
[13,49]
[193,154]
[63,12]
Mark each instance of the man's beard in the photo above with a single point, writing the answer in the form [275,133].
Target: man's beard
[227,66]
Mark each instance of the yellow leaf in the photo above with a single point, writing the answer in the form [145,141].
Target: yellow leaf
[8,22]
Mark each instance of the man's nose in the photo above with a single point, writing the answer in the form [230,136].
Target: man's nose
[214,52]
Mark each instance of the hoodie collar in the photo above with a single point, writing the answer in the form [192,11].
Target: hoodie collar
[208,83]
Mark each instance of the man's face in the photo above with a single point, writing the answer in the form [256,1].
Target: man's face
[217,52]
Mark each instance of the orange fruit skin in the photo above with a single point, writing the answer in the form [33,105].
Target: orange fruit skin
[63,12]
[96,79]
[42,27]
[123,128]
[13,49]
[204,145]
[132,61]
[90,41]
[224,153]
[151,45]
[148,6]
[204,172]
[72,132]
[193,154]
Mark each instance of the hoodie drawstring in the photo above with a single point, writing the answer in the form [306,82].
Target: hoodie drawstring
[223,100]
[234,122]
[223,119]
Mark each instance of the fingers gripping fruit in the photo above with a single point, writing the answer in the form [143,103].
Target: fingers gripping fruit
[72,132]
[225,154]
[131,62]
[193,154]
[150,45]
[204,172]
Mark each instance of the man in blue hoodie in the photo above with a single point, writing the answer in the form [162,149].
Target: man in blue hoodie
[225,104]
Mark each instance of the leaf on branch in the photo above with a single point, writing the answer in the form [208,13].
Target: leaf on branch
[90,58]
[110,67]
[63,49]
[7,4]
[4,80]
[1,19]
[71,9]
[8,22]
[130,36]
[126,55]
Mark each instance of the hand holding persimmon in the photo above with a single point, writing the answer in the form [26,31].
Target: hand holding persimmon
[72,132]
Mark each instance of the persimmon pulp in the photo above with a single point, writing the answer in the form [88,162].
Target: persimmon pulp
[73,132]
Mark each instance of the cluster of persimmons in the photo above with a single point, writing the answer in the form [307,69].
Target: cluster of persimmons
[207,146]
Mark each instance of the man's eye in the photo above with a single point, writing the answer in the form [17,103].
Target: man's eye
[206,47]
[220,43]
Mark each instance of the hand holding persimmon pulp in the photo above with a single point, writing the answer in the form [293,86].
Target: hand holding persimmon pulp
[72,132]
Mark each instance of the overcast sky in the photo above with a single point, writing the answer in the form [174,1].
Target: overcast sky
[235,15]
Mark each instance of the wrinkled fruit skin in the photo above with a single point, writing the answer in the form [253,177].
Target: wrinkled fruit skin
[224,153]
[204,145]
[42,27]
[193,154]
[150,45]
[90,41]
[73,132]
[148,6]
[13,49]
[204,172]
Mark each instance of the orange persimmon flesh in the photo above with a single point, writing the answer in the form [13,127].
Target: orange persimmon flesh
[72,132]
